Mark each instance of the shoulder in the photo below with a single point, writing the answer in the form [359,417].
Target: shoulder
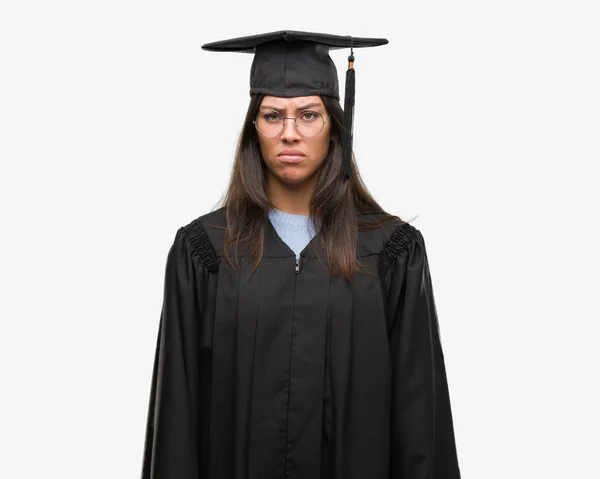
[205,236]
[207,224]
[391,239]
[401,243]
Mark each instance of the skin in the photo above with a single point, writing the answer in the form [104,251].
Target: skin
[290,185]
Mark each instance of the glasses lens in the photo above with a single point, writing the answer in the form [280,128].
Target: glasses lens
[269,123]
[309,123]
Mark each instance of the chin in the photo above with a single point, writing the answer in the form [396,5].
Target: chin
[292,178]
[291,175]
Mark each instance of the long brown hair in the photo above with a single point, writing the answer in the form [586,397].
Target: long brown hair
[339,208]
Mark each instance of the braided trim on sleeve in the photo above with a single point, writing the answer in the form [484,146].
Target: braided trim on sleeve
[201,245]
[398,243]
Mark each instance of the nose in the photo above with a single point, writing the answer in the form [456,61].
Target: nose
[290,132]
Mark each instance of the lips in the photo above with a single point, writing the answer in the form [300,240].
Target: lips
[291,156]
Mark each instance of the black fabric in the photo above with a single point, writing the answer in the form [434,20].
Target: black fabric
[290,63]
[292,375]
[247,44]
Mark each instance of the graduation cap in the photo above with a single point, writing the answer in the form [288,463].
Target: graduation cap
[290,63]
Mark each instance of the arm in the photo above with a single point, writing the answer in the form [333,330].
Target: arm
[422,435]
[172,432]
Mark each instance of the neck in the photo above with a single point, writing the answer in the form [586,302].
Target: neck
[290,198]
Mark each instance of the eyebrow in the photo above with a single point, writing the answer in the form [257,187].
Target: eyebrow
[304,107]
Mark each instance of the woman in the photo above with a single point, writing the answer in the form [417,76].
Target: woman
[298,336]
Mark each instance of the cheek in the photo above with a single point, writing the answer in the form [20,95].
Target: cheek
[320,149]
[266,148]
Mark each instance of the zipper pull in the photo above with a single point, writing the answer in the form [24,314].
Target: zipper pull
[297,265]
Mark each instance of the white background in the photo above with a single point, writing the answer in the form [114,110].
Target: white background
[482,118]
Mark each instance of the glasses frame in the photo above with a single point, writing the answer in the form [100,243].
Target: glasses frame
[283,118]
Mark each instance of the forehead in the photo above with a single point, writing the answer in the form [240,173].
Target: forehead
[295,103]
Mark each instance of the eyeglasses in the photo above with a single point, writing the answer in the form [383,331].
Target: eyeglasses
[270,123]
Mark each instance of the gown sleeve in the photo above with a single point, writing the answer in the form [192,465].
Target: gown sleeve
[172,429]
[422,433]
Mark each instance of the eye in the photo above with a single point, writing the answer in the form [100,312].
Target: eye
[309,116]
[271,117]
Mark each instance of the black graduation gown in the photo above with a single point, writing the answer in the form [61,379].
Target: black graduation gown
[292,374]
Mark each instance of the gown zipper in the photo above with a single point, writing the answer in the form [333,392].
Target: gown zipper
[287,418]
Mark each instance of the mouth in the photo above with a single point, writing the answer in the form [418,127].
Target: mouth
[291,156]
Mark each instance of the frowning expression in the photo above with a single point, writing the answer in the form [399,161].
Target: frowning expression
[295,154]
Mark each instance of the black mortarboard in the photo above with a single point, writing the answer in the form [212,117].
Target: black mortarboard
[291,63]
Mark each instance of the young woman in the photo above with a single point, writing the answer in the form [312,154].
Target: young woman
[298,336]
